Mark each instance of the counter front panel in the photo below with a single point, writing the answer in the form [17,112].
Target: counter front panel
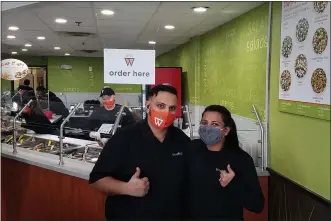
[35,187]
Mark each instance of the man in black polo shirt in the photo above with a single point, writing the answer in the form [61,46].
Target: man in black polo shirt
[107,112]
[142,167]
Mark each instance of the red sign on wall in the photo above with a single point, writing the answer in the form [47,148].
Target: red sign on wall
[173,77]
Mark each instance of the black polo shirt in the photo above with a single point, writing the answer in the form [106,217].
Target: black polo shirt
[162,163]
[216,202]
[102,116]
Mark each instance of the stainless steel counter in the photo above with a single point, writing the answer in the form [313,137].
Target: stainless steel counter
[48,161]
[72,167]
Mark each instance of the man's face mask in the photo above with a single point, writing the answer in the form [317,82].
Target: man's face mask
[210,135]
[109,103]
[161,119]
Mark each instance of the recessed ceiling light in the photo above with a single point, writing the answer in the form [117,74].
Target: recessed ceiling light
[41,38]
[60,20]
[28,45]
[11,37]
[107,12]
[169,27]
[57,48]
[66,54]
[200,9]
[13,28]
[24,49]
[14,52]
[152,42]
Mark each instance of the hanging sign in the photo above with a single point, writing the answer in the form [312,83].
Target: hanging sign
[128,66]
[13,69]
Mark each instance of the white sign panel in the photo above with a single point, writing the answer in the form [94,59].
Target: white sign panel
[13,69]
[126,66]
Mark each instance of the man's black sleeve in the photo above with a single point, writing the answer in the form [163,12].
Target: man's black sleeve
[128,119]
[58,107]
[111,158]
[93,122]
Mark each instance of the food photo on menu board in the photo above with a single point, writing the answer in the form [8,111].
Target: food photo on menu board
[304,80]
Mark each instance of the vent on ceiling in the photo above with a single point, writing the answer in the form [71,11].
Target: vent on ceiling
[88,51]
[77,34]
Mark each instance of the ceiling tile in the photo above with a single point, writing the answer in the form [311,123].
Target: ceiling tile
[132,25]
[67,13]
[76,4]
[83,43]
[25,21]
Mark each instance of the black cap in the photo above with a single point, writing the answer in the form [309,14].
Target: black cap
[107,91]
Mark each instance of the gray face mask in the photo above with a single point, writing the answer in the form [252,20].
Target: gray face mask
[210,135]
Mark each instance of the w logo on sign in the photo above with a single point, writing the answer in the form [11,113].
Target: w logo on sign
[129,61]
[158,121]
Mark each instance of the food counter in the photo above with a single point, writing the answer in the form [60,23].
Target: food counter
[36,187]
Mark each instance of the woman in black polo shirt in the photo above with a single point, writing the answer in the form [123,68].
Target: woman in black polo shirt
[222,178]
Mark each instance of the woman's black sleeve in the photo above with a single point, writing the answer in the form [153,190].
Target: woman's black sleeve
[246,186]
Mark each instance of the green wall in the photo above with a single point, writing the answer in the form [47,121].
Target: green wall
[5,85]
[299,146]
[80,78]
[227,65]
[185,56]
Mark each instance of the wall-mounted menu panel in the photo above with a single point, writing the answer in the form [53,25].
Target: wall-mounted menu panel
[304,82]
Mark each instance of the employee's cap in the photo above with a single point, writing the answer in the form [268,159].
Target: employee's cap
[107,91]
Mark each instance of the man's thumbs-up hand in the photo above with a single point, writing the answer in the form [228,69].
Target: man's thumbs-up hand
[136,186]
[137,173]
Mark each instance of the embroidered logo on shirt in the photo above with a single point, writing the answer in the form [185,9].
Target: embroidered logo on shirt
[177,154]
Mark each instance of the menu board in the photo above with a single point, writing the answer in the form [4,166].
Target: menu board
[304,78]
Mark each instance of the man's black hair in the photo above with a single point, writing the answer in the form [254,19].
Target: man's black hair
[107,91]
[26,82]
[161,88]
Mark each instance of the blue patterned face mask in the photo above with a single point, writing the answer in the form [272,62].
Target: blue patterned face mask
[210,135]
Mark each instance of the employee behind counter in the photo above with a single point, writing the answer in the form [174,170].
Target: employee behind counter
[55,104]
[108,111]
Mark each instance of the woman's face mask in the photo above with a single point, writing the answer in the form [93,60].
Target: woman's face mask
[210,135]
